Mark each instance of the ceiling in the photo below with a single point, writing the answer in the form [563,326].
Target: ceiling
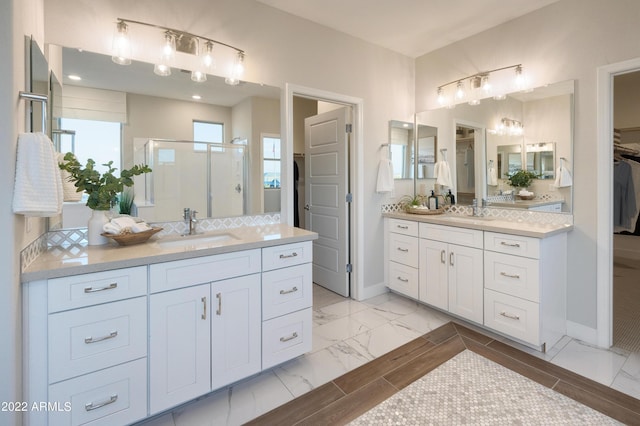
[410,27]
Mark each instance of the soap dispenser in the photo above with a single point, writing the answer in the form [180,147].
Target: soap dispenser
[451,198]
[432,201]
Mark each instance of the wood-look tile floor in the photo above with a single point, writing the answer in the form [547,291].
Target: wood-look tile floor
[352,394]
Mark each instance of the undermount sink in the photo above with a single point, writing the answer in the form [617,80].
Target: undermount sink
[196,240]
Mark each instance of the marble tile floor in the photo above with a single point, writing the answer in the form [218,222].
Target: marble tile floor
[348,334]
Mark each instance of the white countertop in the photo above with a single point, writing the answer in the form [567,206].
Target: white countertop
[527,229]
[524,204]
[81,259]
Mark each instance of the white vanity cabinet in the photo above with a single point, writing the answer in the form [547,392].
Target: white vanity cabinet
[451,262]
[287,297]
[402,256]
[204,329]
[525,287]
[85,339]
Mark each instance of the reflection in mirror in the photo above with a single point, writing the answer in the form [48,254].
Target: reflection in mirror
[401,148]
[465,164]
[40,85]
[509,160]
[149,107]
[427,146]
[546,114]
[541,159]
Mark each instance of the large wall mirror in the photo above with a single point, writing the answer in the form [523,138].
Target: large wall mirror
[529,130]
[198,137]
[413,153]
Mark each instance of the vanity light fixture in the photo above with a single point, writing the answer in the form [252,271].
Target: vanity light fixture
[121,45]
[176,41]
[481,85]
[509,127]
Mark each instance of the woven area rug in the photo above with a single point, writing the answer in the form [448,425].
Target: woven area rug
[470,389]
[626,304]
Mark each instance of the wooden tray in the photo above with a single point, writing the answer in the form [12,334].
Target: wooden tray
[526,197]
[413,210]
[132,238]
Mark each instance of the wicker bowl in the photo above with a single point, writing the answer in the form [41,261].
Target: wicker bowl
[527,197]
[132,238]
[414,210]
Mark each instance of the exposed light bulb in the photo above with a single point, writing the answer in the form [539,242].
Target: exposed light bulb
[163,68]
[441,98]
[198,76]
[460,90]
[486,85]
[520,81]
[121,48]
[207,58]
[237,70]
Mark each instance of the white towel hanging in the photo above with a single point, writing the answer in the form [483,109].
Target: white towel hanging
[38,186]
[443,173]
[563,176]
[385,173]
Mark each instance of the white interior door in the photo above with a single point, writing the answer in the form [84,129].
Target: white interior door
[326,187]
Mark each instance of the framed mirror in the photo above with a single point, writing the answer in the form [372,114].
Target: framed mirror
[546,116]
[426,147]
[146,107]
[401,149]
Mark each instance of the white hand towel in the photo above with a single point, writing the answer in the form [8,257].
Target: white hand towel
[563,176]
[385,176]
[38,186]
[443,174]
[493,177]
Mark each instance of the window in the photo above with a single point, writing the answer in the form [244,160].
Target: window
[98,140]
[207,132]
[271,161]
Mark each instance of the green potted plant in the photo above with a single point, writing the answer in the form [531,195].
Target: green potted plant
[522,178]
[102,189]
[408,201]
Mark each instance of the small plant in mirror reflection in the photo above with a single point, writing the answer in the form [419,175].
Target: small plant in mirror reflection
[411,201]
[103,188]
[522,178]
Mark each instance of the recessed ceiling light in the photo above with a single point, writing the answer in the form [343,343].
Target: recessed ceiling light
[75,77]
[196,97]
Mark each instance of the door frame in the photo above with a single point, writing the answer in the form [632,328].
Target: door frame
[604,224]
[356,171]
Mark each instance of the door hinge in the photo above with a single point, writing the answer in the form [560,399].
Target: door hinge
[349,198]
[349,128]
[349,268]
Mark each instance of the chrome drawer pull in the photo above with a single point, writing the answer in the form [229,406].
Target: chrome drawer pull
[404,250]
[204,304]
[93,290]
[402,226]
[111,335]
[219,297]
[404,280]
[443,255]
[286,339]
[451,258]
[510,316]
[510,244]
[287,256]
[293,290]
[504,274]
[91,406]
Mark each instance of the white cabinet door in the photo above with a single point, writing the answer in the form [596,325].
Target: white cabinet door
[434,265]
[466,282]
[236,333]
[179,350]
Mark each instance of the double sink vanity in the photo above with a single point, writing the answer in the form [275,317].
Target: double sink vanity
[506,276]
[116,334]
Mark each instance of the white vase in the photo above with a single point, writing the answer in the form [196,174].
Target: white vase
[94,228]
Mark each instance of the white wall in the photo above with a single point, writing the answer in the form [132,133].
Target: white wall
[17,19]
[566,40]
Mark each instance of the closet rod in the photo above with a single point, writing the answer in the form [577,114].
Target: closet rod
[36,97]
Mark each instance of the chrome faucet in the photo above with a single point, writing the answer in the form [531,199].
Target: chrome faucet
[190,221]
[478,210]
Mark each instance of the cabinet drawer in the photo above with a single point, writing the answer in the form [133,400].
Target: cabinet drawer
[405,227]
[514,275]
[276,257]
[78,291]
[286,337]
[115,396]
[184,273]
[512,244]
[452,235]
[403,249]
[88,339]
[403,279]
[286,290]
[512,316]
